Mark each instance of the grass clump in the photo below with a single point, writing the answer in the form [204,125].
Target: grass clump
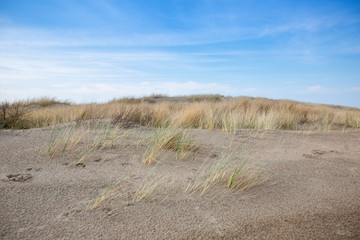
[64,140]
[153,98]
[13,115]
[105,194]
[146,190]
[126,100]
[103,136]
[84,139]
[230,169]
[205,98]
[150,185]
[43,102]
[169,138]
[130,115]
[17,115]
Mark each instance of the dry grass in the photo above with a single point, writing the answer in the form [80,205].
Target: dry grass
[147,190]
[17,115]
[205,97]
[150,185]
[229,169]
[228,114]
[64,140]
[169,138]
[127,100]
[106,193]
[43,102]
[84,139]
[13,115]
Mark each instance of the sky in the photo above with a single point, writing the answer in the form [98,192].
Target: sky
[97,50]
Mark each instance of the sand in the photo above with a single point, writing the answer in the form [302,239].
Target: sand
[310,190]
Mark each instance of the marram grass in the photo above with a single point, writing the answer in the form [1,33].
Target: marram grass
[214,112]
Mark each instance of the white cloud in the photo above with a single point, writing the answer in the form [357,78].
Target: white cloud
[94,92]
[320,90]
[317,88]
[355,89]
[107,91]
[145,88]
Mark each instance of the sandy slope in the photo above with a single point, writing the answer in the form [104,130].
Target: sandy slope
[312,190]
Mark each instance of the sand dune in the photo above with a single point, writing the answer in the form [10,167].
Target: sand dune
[310,189]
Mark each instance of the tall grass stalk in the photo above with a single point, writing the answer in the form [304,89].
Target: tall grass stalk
[105,194]
[64,140]
[146,190]
[149,186]
[230,169]
[169,138]
[86,138]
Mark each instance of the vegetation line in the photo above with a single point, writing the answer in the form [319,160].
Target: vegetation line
[195,111]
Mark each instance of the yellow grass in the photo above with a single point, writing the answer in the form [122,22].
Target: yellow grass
[169,138]
[230,169]
[86,138]
[105,194]
[147,190]
[228,114]
[152,183]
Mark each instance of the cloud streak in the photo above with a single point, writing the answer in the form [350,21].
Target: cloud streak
[319,90]
[107,91]
[355,89]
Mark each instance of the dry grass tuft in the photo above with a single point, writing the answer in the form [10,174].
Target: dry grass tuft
[106,193]
[169,138]
[147,190]
[126,100]
[43,102]
[205,98]
[150,185]
[85,139]
[230,169]
[13,115]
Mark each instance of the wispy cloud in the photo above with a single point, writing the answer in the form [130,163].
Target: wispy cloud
[45,66]
[319,89]
[51,38]
[104,92]
[171,88]
[205,34]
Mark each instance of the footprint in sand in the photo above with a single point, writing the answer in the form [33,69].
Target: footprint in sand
[314,153]
[18,177]
[317,152]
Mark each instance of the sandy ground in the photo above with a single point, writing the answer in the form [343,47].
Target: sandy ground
[311,190]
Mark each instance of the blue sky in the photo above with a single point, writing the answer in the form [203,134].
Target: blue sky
[91,50]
